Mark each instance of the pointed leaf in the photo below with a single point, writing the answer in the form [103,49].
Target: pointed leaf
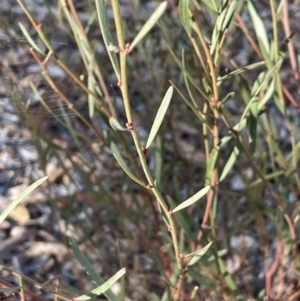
[259,27]
[268,94]
[92,87]
[149,23]
[187,84]
[217,32]
[184,15]
[116,125]
[196,197]
[228,96]
[229,163]
[24,194]
[30,40]
[107,37]
[211,163]
[200,253]
[241,70]
[104,287]
[229,279]
[211,257]
[182,218]
[160,116]
[123,164]
[229,14]
[90,269]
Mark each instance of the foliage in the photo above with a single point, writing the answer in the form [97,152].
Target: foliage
[213,102]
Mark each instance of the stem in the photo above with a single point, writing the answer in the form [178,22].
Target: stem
[215,129]
[124,89]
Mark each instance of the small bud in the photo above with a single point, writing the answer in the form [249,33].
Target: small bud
[148,186]
[127,48]
[129,126]
[144,150]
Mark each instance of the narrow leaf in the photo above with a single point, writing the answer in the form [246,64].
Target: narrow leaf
[116,125]
[24,194]
[211,257]
[211,164]
[182,218]
[91,87]
[259,27]
[123,164]
[196,197]
[160,116]
[229,279]
[149,23]
[229,14]
[30,40]
[269,93]
[104,287]
[253,126]
[107,37]
[229,163]
[200,253]
[91,270]
[240,70]
[187,84]
[228,96]
[184,15]
[217,32]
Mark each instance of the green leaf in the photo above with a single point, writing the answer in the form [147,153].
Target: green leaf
[212,4]
[187,84]
[240,70]
[24,194]
[116,125]
[196,197]
[123,164]
[160,116]
[211,257]
[91,270]
[228,96]
[229,14]
[198,255]
[259,27]
[104,287]
[253,128]
[30,40]
[217,32]
[149,23]
[184,15]
[182,218]
[229,163]
[238,127]
[211,164]
[92,88]
[158,161]
[229,280]
[107,37]
[269,93]
[259,84]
